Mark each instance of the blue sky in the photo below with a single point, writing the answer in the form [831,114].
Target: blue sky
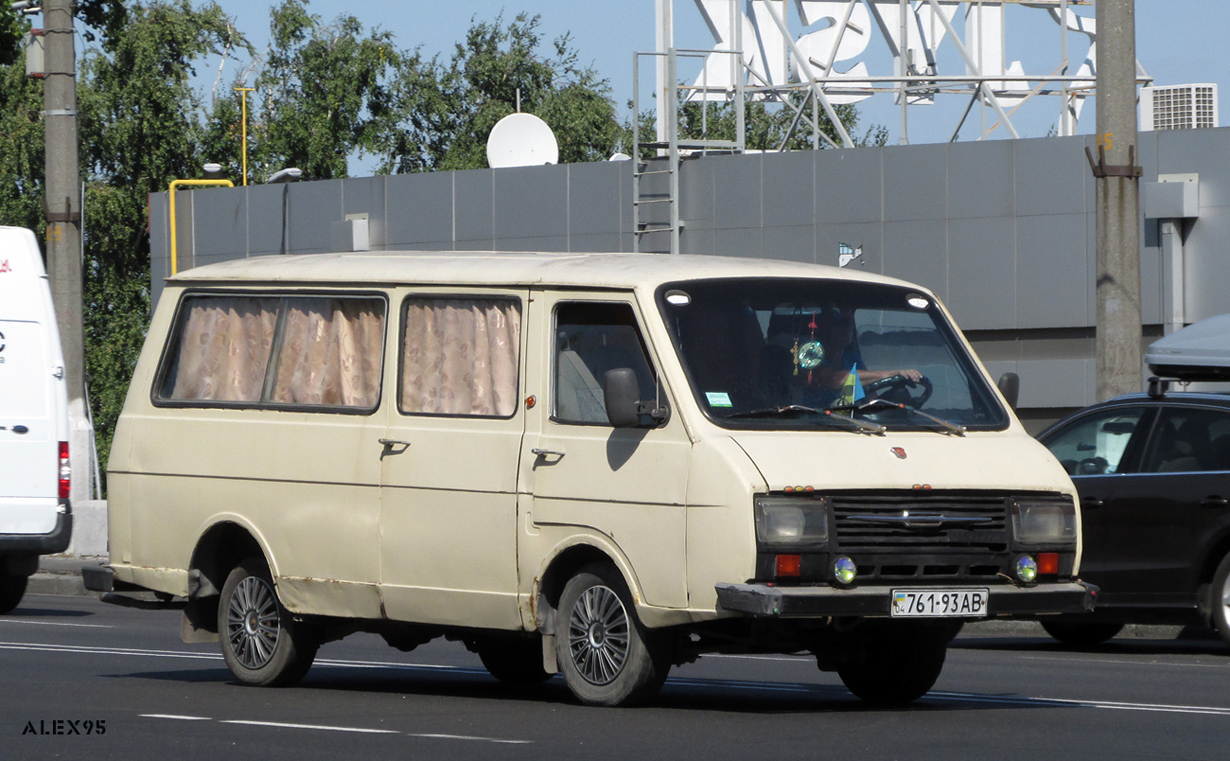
[1178,41]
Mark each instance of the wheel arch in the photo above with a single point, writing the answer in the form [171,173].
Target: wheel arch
[563,565]
[220,548]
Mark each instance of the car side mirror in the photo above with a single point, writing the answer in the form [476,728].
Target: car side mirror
[621,393]
[1009,384]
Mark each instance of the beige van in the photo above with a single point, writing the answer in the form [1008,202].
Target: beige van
[599,465]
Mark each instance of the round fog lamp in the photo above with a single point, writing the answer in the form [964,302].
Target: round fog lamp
[1026,569]
[844,570]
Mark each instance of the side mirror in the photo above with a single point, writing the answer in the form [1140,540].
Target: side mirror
[622,393]
[1009,384]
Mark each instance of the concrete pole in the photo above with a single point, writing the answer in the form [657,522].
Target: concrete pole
[1119,361]
[62,185]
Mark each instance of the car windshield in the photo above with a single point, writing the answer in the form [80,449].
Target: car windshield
[793,353]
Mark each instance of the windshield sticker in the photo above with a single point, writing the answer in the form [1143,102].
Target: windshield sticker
[718,399]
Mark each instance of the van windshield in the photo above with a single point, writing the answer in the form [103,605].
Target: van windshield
[795,353]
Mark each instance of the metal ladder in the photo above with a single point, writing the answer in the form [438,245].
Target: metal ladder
[649,193]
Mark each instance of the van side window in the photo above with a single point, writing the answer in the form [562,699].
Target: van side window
[460,357]
[329,352]
[592,339]
[221,350]
[303,351]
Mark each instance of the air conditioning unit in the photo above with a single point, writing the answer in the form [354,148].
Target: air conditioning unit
[1178,107]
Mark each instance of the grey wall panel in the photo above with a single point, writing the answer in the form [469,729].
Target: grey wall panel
[696,204]
[1150,286]
[219,222]
[868,236]
[743,241]
[918,251]
[550,243]
[596,244]
[1056,383]
[982,273]
[473,195]
[420,208]
[1052,271]
[789,182]
[365,195]
[314,207]
[980,179]
[265,218]
[1203,151]
[531,202]
[594,196]
[849,186]
[1050,176]
[737,191]
[1146,154]
[796,243]
[696,241]
[1208,267]
[915,182]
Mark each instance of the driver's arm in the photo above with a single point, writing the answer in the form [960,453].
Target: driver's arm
[871,376]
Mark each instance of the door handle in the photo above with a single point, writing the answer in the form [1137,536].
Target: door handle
[547,453]
[388,443]
[1092,502]
[1214,501]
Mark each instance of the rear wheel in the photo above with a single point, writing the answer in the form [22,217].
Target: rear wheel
[607,657]
[897,662]
[1219,599]
[1081,635]
[261,643]
[12,588]
[513,661]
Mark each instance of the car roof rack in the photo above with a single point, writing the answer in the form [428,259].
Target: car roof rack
[1159,386]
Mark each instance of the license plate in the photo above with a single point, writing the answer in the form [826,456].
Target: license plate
[939,603]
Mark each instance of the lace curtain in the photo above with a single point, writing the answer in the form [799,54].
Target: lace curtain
[461,357]
[330,352]
[224,349]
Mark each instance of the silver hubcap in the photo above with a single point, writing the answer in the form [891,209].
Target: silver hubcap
[252,624]
[598,635]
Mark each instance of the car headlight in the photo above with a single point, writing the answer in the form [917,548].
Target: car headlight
[792,521]
[1044,522]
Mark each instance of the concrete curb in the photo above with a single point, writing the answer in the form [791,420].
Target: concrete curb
[61,575]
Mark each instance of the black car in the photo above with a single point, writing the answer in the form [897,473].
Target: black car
[1153,472]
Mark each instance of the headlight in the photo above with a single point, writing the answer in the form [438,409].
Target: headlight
[792,521]
[1044,522]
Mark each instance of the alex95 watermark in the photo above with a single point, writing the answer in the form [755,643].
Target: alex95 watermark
[66,727]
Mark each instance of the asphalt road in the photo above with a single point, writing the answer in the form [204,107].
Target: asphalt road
[84,680]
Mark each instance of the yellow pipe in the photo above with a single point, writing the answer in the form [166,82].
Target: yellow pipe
[176,185]
[244,92]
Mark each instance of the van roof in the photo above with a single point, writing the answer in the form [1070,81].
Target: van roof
[610,270]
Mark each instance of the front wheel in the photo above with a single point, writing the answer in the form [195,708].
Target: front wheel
[897,663]
[1081,635]
[261,643]
[12,589]
[1219,599]
[607,657]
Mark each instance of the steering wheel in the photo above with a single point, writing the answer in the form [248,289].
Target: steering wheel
[1091,466]
[901,390]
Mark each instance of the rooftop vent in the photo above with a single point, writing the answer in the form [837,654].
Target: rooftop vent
[1178,107]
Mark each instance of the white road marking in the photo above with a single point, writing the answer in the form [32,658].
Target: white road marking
[1120,662]
[468,737]
[1063,702]
[174,716]
[284,725]
[53,623]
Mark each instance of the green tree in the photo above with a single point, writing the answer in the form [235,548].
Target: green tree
[450,108]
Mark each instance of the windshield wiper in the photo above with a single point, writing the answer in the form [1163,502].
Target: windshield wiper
[867,404]
[862,426]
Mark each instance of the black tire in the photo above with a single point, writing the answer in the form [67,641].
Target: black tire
[262,644]
[897,663]
[12,589]
[607,657]
[1219,600]
[513,661]
[1081,635]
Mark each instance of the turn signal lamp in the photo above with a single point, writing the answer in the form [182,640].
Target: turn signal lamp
[1026,569]
[844,570]
[1048,563]
[789,565]
[66,471]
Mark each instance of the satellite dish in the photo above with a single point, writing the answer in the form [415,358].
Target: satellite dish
[521,140]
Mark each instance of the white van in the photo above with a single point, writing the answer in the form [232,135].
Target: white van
[35,515]
[600,465]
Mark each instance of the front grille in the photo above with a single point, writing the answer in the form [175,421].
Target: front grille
[920,523]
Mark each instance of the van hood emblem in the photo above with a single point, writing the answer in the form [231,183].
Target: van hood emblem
[900,452]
